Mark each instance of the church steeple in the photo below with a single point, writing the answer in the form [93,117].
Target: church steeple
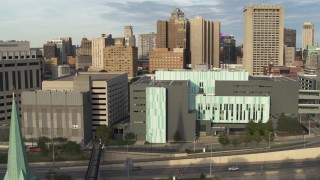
[18,167]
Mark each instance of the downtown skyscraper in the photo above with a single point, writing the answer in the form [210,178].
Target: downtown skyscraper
[263,37]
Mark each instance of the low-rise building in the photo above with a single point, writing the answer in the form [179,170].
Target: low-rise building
[57,114]
[164,58]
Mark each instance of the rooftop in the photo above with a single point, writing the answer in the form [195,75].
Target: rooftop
[269,78]
[94,76]
[148,82]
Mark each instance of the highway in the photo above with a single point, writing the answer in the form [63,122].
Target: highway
[253,171]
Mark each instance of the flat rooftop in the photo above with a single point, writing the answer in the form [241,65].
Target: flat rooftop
[269,78]
[94,77]
[147,81]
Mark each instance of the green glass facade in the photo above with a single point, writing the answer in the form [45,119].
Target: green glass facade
[156,114]
[232,109]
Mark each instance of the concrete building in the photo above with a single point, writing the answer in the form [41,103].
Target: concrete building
[14,45]
[57,114]
[203,42]
[129,37]
[83,62]
[312,57]
[159,109]
[263,37]
[121,58]
[290,36]
[308,79]
[49,50]
[220,100]
[68,45]
[60,70]
[307,35]
[289,55]
[283,92]
[19,70]
[61,49]
[227,49]
[86,47]
[178,30]
[146,44]
[162,34]
[164,58]
[98,45]
[109,94]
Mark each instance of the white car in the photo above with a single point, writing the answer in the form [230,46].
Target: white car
[233,168]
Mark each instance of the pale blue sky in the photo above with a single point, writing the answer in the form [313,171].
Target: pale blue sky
[40,20]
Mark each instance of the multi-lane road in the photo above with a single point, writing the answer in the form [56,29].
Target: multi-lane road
[282,170]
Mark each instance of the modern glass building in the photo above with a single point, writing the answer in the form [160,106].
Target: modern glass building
[232,109]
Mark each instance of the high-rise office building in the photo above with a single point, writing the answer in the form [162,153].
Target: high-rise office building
[130,39]
[121,58]
[263,37]
[86,47]
[290,37]
[307,35]
[178,30]
[49,50]
[98,44]
[146,44]
[68,46]
[203,42]
[61,49]
[227,49]
[162,34]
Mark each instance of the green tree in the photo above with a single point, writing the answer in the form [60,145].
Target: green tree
[251,127]
[71,147]
[42,144]
[223,139]
[103,133]
[128,136]
[60,139]
[177,136]
[257,137]
[288,124]
[202,176]
[247,137]
[236,141]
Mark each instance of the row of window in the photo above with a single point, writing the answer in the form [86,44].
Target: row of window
[16,80]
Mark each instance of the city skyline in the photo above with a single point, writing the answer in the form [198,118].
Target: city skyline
[80,18]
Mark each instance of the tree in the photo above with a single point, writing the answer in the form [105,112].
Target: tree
[257,138]
[103,133]
[288,124]
[71,147]
[223,139]
[42,144]
[247,138]
[128,136]
[177,136]
[251,127]
[202,176]
[235,141]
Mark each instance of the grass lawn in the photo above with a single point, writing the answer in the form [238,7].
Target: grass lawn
[115,142]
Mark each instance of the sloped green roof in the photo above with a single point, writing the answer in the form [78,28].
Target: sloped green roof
[18,167]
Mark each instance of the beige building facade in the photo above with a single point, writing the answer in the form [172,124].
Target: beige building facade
[307,35]
[164,58]
[121,58]
[263,39]
[204,42]
[289,54]
[98,45]
[109,94]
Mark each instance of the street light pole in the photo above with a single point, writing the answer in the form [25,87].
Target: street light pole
[269,140]
[211,160]
[194,145]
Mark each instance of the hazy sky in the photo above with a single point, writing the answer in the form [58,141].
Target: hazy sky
[40,20]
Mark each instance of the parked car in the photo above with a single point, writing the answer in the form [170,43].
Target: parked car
[233,168]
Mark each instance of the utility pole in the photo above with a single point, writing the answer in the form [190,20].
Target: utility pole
[211,160]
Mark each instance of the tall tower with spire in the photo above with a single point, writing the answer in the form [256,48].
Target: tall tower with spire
[18,167]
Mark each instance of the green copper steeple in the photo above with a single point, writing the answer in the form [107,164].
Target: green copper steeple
[18,167]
